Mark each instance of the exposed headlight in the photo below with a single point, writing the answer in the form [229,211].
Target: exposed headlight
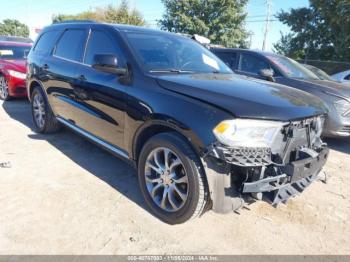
[17,74]
[247,132]
[342,106]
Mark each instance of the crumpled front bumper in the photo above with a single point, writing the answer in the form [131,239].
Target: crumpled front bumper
[295,178]
[227,195]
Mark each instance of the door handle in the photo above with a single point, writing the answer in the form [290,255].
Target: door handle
[82,78]
[45,66]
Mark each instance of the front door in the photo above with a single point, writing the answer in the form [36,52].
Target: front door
[251,65]
[100,94]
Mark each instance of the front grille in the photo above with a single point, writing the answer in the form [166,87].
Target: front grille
[243,156]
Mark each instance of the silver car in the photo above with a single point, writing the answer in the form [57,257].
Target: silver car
[343,77]
[286,71]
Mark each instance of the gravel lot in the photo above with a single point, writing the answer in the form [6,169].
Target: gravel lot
[63,195]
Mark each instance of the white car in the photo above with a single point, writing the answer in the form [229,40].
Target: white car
[343,77]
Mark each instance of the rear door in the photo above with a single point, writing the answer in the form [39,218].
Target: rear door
[101,95]
[60,69]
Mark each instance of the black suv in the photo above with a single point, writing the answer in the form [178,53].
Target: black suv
[200,136]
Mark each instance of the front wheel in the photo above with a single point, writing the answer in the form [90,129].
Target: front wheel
[171,179]
[4,90]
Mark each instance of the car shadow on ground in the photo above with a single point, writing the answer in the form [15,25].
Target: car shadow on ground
[115,172]
[339,144]
[118,174]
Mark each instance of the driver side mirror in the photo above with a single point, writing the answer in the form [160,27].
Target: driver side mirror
[108,63]
[267,74]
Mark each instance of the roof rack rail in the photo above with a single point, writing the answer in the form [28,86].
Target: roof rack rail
[75,21]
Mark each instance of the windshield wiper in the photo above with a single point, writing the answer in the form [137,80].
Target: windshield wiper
[176,71]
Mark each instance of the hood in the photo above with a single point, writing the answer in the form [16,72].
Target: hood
[18,65]
[245,97]
[327,86]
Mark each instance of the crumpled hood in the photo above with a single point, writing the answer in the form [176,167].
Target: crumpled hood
[245,97]
[18,65]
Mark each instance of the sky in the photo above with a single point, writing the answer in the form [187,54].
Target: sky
[38,13]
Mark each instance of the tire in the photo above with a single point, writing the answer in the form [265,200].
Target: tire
[4,93]
[195,187]
[48,123]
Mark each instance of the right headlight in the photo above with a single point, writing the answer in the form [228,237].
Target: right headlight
[247,132]
[342,106]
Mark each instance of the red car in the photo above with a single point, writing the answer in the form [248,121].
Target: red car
[13,69]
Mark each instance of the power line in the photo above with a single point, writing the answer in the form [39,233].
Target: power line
[260,21]
[268,7]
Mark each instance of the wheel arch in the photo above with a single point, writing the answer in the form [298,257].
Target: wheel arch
[154,127]
[32,85]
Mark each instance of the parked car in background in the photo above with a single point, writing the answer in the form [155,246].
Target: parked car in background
[16,39]
[200,136]
[283,70]
[320,73]
[13,57]
[343,77]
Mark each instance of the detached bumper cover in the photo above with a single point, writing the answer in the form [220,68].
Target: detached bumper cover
[242,174]
[295,178]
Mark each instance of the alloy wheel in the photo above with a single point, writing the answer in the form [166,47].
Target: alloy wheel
[39,110]
[166,179]
[3,88]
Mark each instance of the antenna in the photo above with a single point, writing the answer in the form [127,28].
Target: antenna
[267,25]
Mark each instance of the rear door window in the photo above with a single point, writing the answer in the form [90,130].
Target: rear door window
[347,77]
[230,58]
[70,46]
[252,64]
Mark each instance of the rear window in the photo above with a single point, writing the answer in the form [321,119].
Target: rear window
[14,52]
[46,42]
[70,45]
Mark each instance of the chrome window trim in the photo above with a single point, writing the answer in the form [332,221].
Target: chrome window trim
[70,60]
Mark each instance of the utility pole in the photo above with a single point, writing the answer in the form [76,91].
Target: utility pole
[267,25]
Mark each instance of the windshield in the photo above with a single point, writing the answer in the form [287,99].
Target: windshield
[292,68]
[171,53]
[14,52]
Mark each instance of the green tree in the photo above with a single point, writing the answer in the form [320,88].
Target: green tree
[320,31]
[14,28]
[222,21]
[121,14]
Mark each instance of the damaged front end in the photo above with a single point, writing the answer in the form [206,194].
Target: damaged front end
[291,162]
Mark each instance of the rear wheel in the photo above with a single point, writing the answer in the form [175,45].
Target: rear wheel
[43,118]
[4,91]
[171,179]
